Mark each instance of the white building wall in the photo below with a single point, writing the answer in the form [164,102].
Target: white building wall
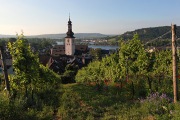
[69,46]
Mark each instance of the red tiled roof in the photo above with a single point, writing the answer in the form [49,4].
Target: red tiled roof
[81,47]
[60,49]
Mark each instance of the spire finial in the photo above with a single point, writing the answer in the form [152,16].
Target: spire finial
[69,16]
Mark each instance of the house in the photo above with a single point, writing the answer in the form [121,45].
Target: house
[81,49]
[58,50]
[58,63]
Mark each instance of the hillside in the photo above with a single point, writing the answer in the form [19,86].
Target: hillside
[7,36]
[61,36]
[146,34]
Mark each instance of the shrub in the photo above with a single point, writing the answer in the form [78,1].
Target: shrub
[157,105]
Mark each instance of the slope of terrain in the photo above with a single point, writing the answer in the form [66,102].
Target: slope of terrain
[146,34]
[61,36]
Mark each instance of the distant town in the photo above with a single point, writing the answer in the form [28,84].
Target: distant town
[57,54]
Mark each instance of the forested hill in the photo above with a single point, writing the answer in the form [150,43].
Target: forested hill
[62,35]
[146,34]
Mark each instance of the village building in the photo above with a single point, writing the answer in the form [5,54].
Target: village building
[69,53]
[69,48]
[58,50]
[69,40]
[62,55]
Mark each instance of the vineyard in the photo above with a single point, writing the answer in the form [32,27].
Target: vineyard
[132,83]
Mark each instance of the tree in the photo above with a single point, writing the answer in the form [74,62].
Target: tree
[131,60]
[96,53]
[147,69]
[32,80]
[110,66]
[25,65]
[162,69]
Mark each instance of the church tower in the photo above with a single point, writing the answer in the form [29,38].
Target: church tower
[69,40]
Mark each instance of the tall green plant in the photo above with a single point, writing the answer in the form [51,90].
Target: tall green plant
[25,65]
[162,70]
[131,60]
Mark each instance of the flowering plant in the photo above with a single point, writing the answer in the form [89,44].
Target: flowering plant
[157,104]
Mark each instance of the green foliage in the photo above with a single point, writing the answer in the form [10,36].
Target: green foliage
[162,70]
[146,34]
[2,42]
[138,71]
[158,105]
[28,71]
[92,73]
[69,75]
[132,54]
[15,110]
[84,102]
[48,76]
[110,88]
[98,71]
[36,90]
[149,36]
[83,75]
[96,53]
[111,68]
[113,41]
[42,44]
[25,65]
[176,112]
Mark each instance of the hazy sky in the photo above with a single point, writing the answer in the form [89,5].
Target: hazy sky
[88,16]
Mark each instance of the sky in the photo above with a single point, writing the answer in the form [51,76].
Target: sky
[35,17]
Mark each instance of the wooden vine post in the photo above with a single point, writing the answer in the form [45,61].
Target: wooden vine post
[3,58]
[174,63]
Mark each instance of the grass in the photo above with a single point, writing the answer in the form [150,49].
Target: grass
[86,102]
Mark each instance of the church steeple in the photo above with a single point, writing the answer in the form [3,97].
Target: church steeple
[69,33]
[69,40]
[69,17]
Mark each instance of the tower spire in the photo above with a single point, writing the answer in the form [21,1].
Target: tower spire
[69,17]
[69,33]
[69,40]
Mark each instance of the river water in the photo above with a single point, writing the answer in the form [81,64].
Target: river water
[104,47]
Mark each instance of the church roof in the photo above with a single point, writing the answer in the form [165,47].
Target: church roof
[69,33]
